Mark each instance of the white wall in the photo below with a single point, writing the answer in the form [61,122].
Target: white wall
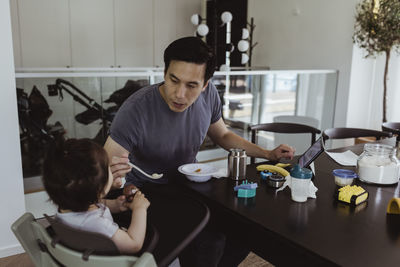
[11,190]
[306,34]
[366,90]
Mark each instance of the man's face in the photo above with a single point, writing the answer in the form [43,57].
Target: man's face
[183,84]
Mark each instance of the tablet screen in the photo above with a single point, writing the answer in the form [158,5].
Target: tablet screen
[312,153]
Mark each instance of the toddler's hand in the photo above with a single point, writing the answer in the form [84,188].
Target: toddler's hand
[139,201]
[120,203]
[129,191]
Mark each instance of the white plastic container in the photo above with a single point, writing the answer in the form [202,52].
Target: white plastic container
[344,177]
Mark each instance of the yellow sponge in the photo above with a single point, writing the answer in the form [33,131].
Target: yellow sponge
[394,206]
[352,194]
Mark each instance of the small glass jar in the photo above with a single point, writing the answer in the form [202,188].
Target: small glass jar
[378,164]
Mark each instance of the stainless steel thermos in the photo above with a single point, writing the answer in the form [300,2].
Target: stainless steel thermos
[237,161]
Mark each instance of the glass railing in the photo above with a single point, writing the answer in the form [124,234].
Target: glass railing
[82,102]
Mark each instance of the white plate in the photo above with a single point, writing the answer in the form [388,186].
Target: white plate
[198,172]
[198,169]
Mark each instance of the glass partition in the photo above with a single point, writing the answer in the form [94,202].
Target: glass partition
[305,97]
[82,103]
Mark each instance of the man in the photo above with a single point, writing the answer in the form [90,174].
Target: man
[162,126]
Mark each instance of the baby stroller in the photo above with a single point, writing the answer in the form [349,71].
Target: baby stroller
[95,111]
[35,133]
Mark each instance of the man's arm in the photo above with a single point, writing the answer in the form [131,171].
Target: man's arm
[227,139]
[118,157]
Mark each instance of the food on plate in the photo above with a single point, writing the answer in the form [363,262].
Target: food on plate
[129,191]
[198,170]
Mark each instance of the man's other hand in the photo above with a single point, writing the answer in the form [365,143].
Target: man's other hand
[282,151]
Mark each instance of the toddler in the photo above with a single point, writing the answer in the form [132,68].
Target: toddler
[76,176]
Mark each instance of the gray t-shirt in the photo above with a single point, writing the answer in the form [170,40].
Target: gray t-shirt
[98,220]
[160,140]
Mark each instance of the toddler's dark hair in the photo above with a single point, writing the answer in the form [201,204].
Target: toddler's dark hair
[75,173]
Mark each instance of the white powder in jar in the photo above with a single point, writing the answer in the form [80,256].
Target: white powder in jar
[377,169]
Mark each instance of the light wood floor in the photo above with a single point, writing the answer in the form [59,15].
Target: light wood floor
[23,260]
[252,260]
[19,260]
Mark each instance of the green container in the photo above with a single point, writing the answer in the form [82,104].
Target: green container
[246,193]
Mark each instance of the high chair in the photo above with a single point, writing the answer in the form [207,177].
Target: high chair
[44,247]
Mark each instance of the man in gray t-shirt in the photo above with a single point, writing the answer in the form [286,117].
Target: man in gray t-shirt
[159,139]
[162,126]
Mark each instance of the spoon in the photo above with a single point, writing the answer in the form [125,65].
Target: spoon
[153,176]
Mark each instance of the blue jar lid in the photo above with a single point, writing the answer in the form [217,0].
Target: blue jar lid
[265,174]
[300,173]
[343,173]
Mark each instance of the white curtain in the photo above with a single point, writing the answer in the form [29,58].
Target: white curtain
[366,90]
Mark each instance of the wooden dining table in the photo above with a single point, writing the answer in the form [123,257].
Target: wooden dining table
[319,232]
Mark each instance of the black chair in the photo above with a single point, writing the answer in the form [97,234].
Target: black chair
[282,127]
[343,133]
[394,128]
[177,216]
[179,219]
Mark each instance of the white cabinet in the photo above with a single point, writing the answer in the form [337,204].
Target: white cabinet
[134,23]
[92,33]
[44,33]
[98,33]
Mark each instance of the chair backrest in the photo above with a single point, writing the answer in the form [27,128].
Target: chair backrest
[310,121]
[343,133]
[45,250]
[299,141]
[282,127]
[82,241]
[22,229]
[193,222]
[392,127]
[95,243]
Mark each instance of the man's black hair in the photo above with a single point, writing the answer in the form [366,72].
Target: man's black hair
[75,173]
[192,50]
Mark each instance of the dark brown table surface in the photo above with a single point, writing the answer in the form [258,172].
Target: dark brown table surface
[319,232]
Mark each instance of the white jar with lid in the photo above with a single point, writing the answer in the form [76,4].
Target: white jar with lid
[378,164]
